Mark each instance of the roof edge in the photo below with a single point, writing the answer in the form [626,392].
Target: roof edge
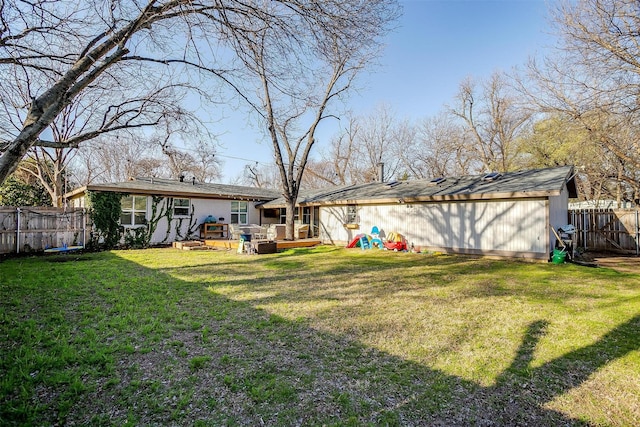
[437,199]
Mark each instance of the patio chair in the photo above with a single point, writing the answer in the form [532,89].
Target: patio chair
[276,232]
[302,231]
[234,232]
[261,233]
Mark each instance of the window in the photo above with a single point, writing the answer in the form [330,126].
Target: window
[283,215]
[271,213]
[181,207]
[306,215]
[239,213]
[134,210]
[352,214]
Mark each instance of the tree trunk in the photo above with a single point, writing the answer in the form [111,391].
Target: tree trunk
[15,152]
[290,225]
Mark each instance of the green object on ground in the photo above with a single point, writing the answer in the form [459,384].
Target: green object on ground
[559,255]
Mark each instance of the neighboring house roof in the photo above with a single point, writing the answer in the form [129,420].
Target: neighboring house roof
[521,184]
[602,204]
[176,188]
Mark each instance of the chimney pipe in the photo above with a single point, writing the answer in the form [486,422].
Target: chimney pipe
[381,172]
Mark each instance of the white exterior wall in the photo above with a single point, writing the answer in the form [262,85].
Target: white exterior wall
[508,227]
[202,208]
[179,226]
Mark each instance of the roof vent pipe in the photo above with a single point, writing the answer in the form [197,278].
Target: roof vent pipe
[193,180]
[381,172]
[181,178]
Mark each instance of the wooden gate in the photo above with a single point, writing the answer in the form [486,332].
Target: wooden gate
[34,229]
[611,230]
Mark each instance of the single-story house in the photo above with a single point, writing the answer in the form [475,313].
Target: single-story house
[509,214]
[182,206]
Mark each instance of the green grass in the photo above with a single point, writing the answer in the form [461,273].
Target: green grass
[322,336]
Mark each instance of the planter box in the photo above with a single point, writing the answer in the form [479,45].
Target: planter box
[265,247]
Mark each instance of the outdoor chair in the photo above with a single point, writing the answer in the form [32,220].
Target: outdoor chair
[234,232]
[276,232]
[302,231]
[261,233]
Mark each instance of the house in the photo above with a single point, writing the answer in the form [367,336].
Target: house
[180,207]
[508,214]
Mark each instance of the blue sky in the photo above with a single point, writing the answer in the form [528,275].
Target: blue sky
[437,45]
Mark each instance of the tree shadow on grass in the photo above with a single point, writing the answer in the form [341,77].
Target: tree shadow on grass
[179,353]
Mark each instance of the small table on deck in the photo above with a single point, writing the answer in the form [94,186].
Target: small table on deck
[212,230]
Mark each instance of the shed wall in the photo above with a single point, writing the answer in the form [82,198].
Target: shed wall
[503,227]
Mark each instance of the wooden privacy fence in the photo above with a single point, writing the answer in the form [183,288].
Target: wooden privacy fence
[611,230]
[34,229]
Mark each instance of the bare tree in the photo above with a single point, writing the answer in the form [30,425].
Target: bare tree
[493,117]
[338,163]
[49,167]
[188,154]
[107,159]
[380,140]
[56,50]
[302,64]
[260,175]
[593,79]
[367,141]
[440,148]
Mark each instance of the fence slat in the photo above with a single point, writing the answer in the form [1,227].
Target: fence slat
[611,230]
[34,229]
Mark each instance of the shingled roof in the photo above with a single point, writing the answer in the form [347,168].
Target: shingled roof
[177,188]
[521,184]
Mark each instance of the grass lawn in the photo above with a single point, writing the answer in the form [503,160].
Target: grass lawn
[321,336]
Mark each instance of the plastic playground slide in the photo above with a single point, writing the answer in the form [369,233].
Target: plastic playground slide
[355,242]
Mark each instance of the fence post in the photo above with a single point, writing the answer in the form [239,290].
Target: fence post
[584,228]
[637,234]
[18,230]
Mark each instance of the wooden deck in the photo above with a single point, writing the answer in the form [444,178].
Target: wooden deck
[280,244]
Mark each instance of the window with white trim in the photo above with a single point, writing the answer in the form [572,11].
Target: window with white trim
[352,214]
[134,210]
[239,212]
[181,207]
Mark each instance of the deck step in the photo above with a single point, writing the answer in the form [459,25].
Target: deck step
[188,244]
[281,244]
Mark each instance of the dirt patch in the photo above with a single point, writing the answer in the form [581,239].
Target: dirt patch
[66,258]
[622,263]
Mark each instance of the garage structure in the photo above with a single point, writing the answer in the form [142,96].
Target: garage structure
[509,214]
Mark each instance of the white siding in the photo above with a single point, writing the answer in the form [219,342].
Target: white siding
[201,209]
[513,227]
